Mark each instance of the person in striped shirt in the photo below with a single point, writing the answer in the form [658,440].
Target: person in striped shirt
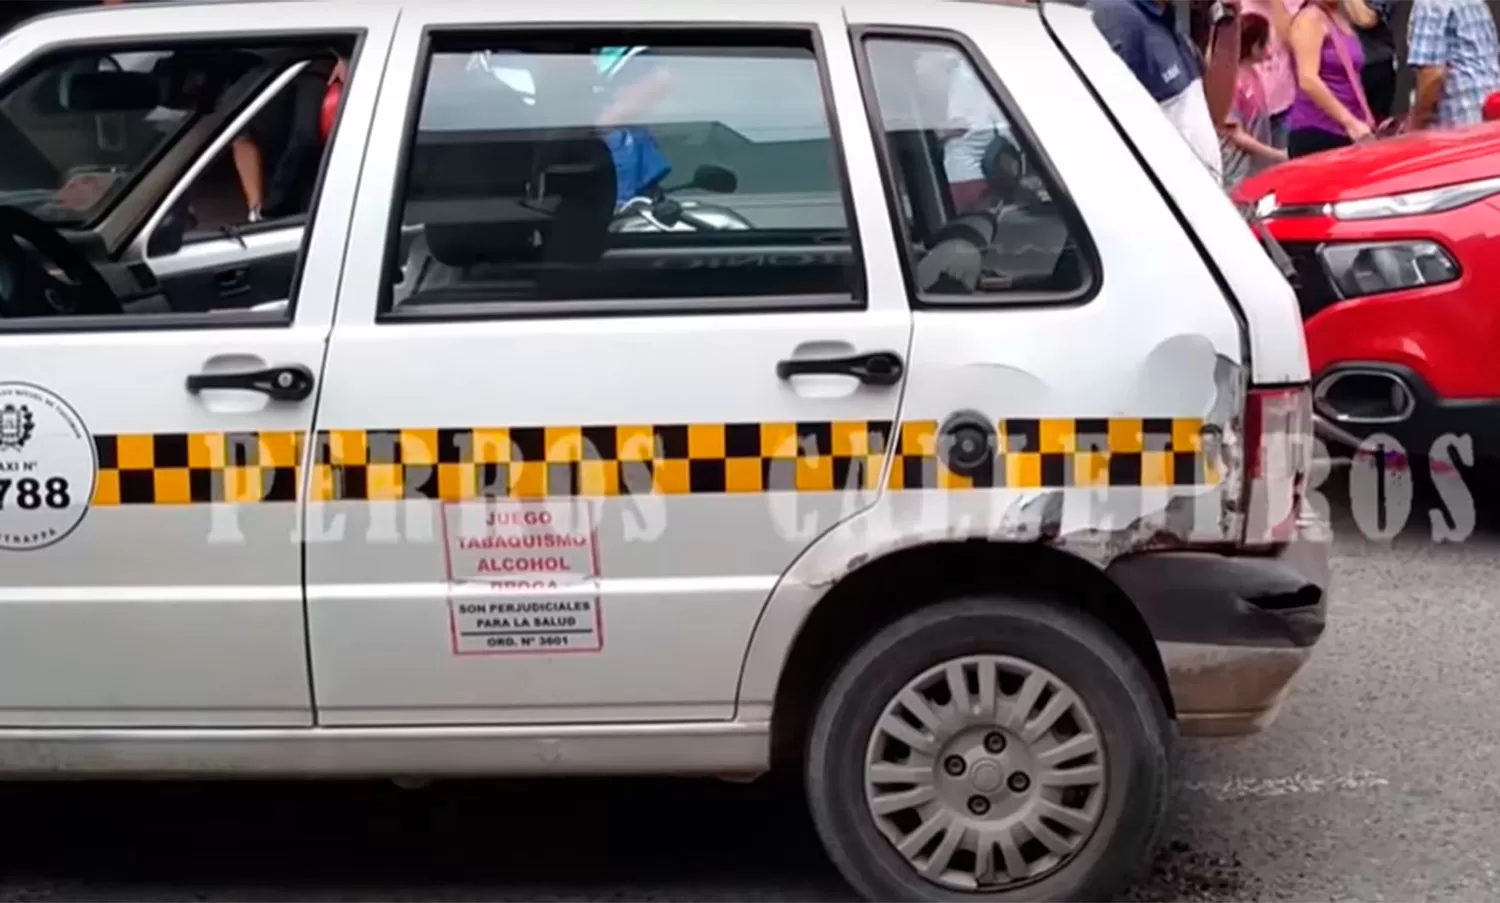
[1453,48]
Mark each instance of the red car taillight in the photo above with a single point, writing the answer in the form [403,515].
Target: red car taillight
[1278,462]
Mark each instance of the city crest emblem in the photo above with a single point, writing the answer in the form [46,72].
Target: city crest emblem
[16,425]
[49,468]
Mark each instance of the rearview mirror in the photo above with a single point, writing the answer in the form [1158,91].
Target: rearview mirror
[108,92]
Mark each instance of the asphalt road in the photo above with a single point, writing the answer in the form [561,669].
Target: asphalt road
[1379,782]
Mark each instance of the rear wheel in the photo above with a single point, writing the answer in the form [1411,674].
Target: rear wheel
[990,749]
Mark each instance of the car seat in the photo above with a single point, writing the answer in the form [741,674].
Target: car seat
[955,262]
[500,206]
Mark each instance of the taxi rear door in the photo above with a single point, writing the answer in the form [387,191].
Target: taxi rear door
[564,457]
[151,463]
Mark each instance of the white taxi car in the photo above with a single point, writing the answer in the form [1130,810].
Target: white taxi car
[737,412]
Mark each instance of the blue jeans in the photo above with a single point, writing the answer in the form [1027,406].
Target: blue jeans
[639,163]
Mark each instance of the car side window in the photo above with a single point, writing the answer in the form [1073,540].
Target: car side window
[622,172]
[984,220]
[91,128]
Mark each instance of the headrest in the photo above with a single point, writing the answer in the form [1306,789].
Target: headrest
[1003,164]
[469,165]
[480,207]
[470,244]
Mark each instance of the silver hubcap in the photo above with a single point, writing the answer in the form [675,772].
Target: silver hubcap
[986,772]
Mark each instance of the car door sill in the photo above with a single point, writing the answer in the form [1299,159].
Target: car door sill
[688,748]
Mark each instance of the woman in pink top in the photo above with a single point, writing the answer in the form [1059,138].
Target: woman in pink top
[1278,72]
[1246,138]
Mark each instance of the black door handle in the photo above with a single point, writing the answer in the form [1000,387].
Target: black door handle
[878,368]
[293,382]
[230,283]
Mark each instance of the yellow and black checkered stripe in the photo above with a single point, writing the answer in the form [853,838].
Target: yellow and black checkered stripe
[672,459]
[196,468]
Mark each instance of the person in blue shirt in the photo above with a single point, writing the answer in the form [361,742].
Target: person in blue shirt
[1194,93]
[634,83]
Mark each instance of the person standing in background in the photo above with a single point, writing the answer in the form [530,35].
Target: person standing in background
[972,122]
[1330,110]
[1452,47]
[1246,140]
[1277,73]
[1381,64]
[636,82]
[1200,24]
[1193,93]
[277,157]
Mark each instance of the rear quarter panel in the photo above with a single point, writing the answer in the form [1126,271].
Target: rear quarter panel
[1277,349]
[1154,339]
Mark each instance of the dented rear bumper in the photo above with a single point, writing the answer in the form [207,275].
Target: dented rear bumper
[1233,630]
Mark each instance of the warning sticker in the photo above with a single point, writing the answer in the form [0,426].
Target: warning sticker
[525,577]
[531,625]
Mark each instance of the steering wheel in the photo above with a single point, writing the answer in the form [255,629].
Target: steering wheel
[33,290]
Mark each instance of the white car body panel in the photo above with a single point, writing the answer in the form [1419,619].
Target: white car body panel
[1267,301]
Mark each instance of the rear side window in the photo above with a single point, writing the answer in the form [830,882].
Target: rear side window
[618,171]
[984,220]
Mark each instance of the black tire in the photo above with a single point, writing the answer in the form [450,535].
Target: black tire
[1109,678]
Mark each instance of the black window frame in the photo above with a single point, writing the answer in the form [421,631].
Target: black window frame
[696,34]
[1036,155]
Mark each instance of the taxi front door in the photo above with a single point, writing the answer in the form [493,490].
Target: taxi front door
[151,465]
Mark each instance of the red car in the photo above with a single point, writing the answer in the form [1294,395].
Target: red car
[1396,251]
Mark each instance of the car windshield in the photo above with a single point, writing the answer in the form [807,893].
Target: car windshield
[79,129]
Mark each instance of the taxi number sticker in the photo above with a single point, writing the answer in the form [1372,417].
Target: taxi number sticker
[48,467]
